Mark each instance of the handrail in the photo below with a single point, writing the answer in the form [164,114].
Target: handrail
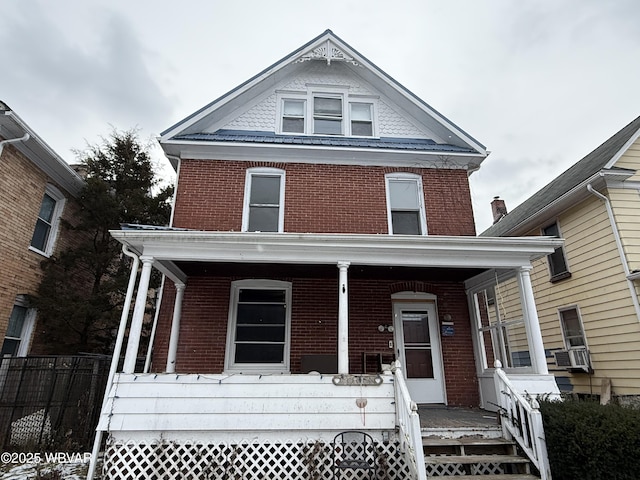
[522,421]
[408,423]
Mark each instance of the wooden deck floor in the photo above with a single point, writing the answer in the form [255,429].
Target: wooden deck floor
[440,416]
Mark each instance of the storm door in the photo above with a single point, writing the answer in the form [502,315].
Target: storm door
[418,348]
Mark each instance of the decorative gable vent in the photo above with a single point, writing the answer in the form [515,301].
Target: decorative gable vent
[574,359]
[329,51]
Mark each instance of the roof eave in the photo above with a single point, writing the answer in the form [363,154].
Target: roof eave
[41,154]
[340,155]
[567,200]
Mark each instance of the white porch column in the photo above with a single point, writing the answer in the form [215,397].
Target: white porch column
[531,321]
[343,318]
[138,316]
[175,329]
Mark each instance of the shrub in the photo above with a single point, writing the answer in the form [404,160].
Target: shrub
[586,440]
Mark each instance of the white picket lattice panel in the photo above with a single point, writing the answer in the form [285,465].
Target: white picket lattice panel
[244,461]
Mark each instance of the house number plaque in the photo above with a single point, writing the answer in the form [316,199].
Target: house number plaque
[357,380]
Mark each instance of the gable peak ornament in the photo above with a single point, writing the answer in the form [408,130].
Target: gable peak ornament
[329,52]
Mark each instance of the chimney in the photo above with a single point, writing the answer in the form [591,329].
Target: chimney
[498,208]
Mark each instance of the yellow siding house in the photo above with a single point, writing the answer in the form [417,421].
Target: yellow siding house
[587,291]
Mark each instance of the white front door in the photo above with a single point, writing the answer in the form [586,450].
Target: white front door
[418,348]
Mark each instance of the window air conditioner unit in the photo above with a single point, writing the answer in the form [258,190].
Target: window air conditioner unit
[574,359]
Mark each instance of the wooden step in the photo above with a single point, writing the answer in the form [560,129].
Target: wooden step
[468,459]
[437,441]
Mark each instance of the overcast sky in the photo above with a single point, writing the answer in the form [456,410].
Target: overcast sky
[540,83]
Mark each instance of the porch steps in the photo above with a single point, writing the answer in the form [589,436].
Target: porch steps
[467,457]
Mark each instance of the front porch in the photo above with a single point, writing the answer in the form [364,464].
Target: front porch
[219,386]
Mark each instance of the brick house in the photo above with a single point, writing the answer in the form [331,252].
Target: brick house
[38,189]
[322,274]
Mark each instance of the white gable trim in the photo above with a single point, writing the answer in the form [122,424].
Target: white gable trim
[623,150]
[305,53]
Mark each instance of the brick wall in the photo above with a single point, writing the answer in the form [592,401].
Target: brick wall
[314,326]
[319,198]
[22,186]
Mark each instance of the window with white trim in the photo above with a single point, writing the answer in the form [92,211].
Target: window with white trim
[264,200]
[361,119]
[326,113]
[293,116]
[557,260]
[19,330]
[259,326]
[405,204]
[46,229]
[572,330]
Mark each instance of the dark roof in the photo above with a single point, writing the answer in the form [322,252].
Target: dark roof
[334,141]
[578,173]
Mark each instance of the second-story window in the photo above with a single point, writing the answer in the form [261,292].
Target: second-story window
[557,261]
[405,205]
[264,200]
[327,115]
[44,234]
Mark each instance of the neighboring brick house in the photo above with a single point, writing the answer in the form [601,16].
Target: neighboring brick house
[587,290]
[322,223]
[37,189]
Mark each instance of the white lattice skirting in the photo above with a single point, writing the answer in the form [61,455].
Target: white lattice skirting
[243,461]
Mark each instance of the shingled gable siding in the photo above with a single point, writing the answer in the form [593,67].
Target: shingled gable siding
[22,186]
[314,326]
[319,198]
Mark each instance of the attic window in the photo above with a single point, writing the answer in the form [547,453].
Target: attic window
[293,116]
[326,113]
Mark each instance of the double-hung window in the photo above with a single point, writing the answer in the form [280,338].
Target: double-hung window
[327,115]
[44,234]
[293,116]
[557,261]
[362,119]
[330,112]
[259,326]
[405,205]
[572,330]
[264,200]
[19,330]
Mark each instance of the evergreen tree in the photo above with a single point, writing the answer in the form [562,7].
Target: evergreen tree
[80,298]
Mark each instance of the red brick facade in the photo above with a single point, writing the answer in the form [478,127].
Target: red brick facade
[319,198]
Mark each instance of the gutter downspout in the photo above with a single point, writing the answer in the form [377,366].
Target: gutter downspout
[24,138]
[115,359]
[623,258]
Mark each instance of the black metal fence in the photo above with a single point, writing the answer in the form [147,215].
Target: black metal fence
[51,403]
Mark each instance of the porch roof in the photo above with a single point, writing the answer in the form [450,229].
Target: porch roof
[168,247]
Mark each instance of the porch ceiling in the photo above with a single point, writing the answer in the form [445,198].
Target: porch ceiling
[427,274]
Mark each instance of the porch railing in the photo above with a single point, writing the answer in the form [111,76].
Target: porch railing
[522,420]
[408,423]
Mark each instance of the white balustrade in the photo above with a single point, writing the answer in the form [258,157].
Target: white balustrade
[408,423]
[522,421]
